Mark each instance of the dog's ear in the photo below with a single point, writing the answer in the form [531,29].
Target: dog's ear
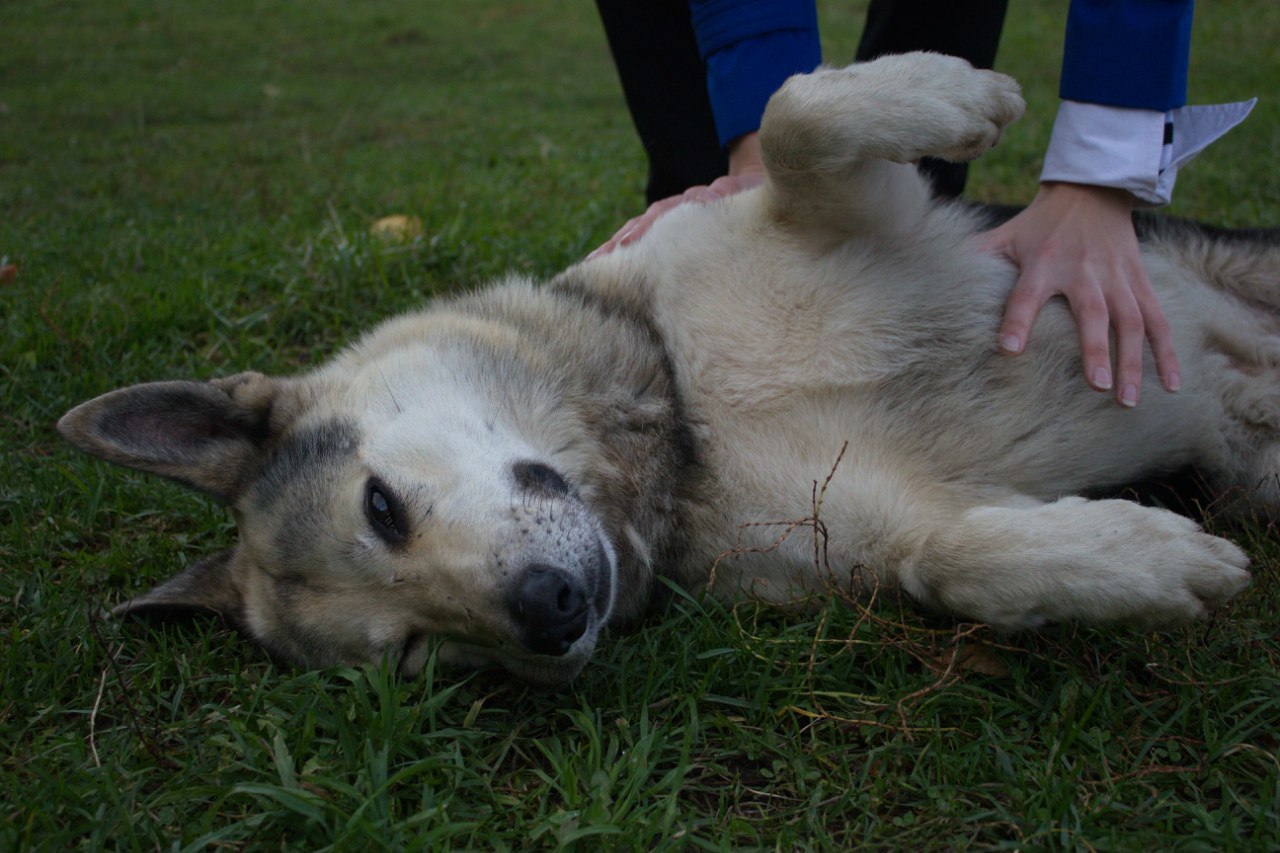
[207,584]
[208,435]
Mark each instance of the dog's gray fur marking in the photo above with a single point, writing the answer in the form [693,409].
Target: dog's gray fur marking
[292,485]
[303,455]
[662,445]
[552,451]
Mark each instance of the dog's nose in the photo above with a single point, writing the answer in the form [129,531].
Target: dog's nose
[552,608]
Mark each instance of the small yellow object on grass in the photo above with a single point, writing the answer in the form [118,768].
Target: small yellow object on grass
[397,229]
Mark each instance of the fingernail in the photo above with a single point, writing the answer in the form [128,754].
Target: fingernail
[1129,396]
[1011,344]
[1174,382]
[1102,379]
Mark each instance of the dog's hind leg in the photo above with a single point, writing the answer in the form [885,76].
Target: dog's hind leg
[838,144]
[1239,318]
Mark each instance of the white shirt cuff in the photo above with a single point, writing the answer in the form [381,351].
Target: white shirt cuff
[1135,150]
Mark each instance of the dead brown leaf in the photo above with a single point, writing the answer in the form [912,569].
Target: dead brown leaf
[969,656]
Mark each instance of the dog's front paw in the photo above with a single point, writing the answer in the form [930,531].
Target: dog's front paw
[1080,560]
[1148,567]
[1181,574]
[967,108]
[999,104]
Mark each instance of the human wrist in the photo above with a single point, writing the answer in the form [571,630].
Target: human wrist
[745,156]
[1072,191]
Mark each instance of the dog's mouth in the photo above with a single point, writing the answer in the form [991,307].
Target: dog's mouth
[543,670]
[606,568]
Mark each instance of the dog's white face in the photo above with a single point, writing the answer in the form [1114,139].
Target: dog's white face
[374,524]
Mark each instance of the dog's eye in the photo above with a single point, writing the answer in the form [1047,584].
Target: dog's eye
[384,512]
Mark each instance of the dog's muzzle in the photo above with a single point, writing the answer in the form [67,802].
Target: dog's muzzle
[551,607]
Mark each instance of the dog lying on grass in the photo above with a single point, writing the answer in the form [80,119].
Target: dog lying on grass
[512,470]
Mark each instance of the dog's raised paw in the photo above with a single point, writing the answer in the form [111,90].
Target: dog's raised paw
[968,107]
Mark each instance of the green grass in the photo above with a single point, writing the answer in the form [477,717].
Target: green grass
[186,189]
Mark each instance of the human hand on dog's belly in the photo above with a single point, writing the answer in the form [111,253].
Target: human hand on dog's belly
[1078,242]
[746,170]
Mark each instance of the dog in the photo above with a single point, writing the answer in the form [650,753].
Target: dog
[505,473]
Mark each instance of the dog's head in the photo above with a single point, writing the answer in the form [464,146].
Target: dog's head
[379,506]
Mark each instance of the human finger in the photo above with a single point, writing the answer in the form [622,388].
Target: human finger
[612,243]
[1125,318]
[1158,332]
[1028,296]
[730,184]
[638,226]
[1094,325]
[642,224]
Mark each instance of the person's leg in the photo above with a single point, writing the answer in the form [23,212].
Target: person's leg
[665,85]
[969,29]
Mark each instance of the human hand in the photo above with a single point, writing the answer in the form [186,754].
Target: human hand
[746,170]
[1078,241]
